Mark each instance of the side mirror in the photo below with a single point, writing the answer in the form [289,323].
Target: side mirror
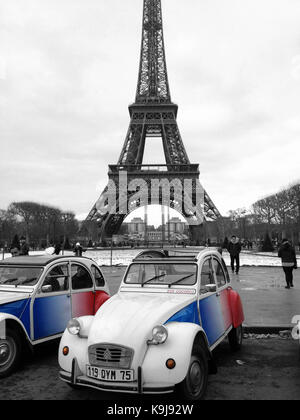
[47,289]
[211,288]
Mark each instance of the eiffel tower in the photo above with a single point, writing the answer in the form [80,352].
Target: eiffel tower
[153,114]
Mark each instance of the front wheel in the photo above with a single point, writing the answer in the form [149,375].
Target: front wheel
[194,386]
[235,338]
[10,353]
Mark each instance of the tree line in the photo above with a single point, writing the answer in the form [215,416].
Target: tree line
[277,215]
[40,224]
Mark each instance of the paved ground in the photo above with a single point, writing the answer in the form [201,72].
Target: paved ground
[264,369]
[265,299]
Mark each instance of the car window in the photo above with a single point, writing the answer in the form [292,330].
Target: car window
[171,274]
[221,279]
[57,278]
[99,279]
[20,276]
[139,272]
[207,276]
[81,278]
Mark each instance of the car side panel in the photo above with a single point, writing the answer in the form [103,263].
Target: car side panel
[25,318]
[226,308]
[82,303]
[212,318]
[20,310]
[236,308]
[14,308]
[51,315]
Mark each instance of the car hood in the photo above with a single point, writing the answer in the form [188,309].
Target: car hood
[127,319]
[13,303]
[9,297]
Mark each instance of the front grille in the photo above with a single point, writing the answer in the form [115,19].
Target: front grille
[110,355]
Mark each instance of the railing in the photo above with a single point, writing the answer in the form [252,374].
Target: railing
[190,168]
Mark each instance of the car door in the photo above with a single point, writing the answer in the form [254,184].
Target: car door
[82,291]
[101,289]
[51,307]
[223,291]
[209,303]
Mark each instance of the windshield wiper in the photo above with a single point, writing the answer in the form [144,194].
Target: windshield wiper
[10,281]
[153,278]
[27,281]
[179,280]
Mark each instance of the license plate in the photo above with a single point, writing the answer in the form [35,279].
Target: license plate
[109,375]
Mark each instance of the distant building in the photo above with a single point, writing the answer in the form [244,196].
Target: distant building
[175,230]
[176,225]
[136,226]
[154,236]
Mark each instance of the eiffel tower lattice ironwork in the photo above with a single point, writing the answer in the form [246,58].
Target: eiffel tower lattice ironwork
[153,114]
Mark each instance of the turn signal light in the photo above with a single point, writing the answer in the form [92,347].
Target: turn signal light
[170,363]
[65,351]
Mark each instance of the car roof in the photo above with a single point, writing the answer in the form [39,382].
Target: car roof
[185,255]
[38,260]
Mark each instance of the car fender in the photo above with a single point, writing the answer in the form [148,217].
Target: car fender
[236,308]
[178,346]
[78,349]
[101,297]
[6,317]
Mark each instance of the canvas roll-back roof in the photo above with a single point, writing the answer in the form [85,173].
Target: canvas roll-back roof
[187,255]
[36,261]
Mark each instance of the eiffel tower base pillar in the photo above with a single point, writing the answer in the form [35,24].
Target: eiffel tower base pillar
[198,234]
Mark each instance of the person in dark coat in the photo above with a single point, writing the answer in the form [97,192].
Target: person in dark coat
[57,249]
[234,249]
[287,254]
[78,250]
[24,247]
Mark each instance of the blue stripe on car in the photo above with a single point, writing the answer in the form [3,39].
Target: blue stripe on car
[20,309]
[212,318]
[187,314]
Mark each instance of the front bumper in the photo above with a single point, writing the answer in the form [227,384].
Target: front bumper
[76,378]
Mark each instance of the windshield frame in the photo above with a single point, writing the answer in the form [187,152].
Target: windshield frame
[19,286]
[164,284]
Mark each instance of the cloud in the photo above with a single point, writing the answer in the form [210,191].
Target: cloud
[68,70]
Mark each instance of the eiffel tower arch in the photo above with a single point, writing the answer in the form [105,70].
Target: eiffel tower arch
[153,114]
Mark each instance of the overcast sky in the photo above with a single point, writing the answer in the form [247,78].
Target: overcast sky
[68,71]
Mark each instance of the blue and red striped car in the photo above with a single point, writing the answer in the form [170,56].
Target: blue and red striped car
[158,332]
[38,297]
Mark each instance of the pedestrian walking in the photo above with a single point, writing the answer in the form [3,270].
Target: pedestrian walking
[234,249]
[287,254]
[24,247]
[15,252]
[78,250]
[57,249]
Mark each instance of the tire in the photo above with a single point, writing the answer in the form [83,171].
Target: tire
[10,353]
[194,386]
[235,338]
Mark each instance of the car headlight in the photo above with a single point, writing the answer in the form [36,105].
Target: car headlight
[159,335]
[74,326]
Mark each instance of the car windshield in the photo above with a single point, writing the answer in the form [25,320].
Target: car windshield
[165,274]
[19,276]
